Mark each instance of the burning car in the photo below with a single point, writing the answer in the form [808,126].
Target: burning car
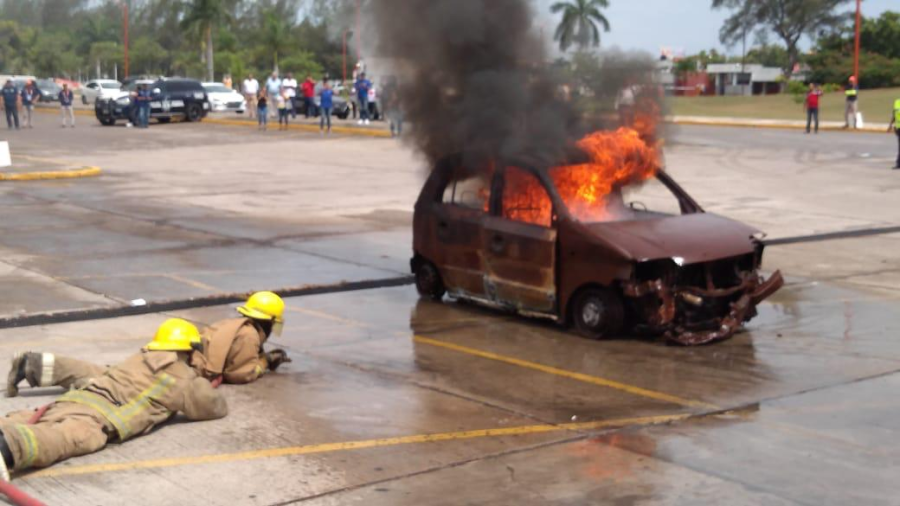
[572,243]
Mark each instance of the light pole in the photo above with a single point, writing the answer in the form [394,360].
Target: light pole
[856,44]
[344,54]
[358,30]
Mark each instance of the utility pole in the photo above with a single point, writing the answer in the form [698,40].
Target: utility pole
[856,45]
[358,34]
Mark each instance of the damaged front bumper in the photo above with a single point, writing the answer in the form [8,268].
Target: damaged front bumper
[691,315]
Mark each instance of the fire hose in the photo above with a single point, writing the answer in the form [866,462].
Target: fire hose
[19,498]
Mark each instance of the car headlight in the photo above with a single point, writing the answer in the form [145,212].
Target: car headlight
[123,101]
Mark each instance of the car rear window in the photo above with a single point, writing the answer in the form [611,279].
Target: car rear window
[217,88]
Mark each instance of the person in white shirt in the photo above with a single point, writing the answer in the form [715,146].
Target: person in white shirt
[289,84]
[250,89]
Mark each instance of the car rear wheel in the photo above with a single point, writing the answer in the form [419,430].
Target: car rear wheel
[597,313]
[164,120]
[194,113]
[428,281]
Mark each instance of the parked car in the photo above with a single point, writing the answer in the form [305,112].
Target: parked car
[224,99]
[690,275]
[171,98]
[341,107]
[49,90]
[100,89]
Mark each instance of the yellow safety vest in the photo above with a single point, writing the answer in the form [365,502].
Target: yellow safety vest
[897,114]
[852,92]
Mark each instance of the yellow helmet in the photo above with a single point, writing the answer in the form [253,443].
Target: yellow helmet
[265,306]
[175,335]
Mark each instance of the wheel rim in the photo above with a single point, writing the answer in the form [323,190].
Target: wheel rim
[592,313]
[426,279]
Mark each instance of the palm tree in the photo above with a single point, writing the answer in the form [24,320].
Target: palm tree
[275,34]
[579,23]
[203,15]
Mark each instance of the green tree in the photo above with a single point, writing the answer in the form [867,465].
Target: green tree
[275,33]
[790,20]
[579,23]
[203,16]
[148,57]
[104,55]
[303,64]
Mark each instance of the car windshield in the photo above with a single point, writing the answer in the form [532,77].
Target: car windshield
[110,86]
[217,88]
[590,201]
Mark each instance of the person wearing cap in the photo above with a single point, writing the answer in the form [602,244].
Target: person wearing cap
[895,126]
[852,108]
[124,402]
[232,349]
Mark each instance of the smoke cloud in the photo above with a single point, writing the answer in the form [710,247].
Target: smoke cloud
[475,81]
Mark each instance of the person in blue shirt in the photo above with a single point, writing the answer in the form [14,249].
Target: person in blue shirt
[11,104]
[362,94]
[142,100]
[65,105]
[326,104]
[30,94]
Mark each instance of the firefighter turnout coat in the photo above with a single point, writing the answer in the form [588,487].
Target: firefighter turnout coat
[232,349]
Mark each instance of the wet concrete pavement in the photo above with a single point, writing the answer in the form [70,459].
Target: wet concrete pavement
[391,400]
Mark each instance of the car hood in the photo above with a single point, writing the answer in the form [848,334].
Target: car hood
[114,94]
[231,96]
[695,238]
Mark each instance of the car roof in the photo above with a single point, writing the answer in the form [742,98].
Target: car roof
[103,81]
[213,84]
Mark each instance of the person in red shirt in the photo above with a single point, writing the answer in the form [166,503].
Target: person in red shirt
[812,106]
[309,94]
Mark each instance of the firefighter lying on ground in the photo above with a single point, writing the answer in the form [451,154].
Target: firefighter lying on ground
[231,348]
[126,401]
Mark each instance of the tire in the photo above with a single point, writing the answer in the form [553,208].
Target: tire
[84,100]
[344,115]
[107,121]
[597,313]
[193,113]
[164,120]
[428,281]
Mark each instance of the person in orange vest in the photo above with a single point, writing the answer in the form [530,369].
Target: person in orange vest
[124,402]
[231,349]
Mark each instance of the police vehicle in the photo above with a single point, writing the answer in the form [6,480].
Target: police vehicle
[171,98]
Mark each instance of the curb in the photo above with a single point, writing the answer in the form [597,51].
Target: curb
[106,313]
[53,174]
[305,128]
[739,124]
[52,110]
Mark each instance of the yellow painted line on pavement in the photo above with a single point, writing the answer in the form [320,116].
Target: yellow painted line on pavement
[56,110]
[577,376]
[304,127]
[352,445]
[51,174]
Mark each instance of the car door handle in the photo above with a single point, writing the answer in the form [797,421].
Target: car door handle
[497,243]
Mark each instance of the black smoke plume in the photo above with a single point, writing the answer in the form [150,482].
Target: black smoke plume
[476,81]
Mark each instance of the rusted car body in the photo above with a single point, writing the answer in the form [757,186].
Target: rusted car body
[693,277]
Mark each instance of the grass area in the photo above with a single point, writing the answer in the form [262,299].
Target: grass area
[876,106]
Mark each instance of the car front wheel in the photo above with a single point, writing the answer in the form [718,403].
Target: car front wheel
[194,113]
[597,313]
[428,281]
[84,100]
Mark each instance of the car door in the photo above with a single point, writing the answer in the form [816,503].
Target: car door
[459,221]
[520,245]
[90,92]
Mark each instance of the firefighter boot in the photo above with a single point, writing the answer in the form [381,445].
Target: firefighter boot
[26,366]
[6,459]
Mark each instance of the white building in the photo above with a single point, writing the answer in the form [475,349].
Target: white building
[749,79]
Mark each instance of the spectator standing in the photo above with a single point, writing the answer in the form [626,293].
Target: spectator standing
[390,101]
[226,80]
[345,94]
[30,94]
[250,89]
[283,112]
[374,111]
[326,101]
[273,90]
[11,104]
[309,95]
[290,88]
[852,109]
[66,97]
[362,95]
[895,124]
[143,99]
[262,111]
[812,106]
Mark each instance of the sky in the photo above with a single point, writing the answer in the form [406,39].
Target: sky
[688,25]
